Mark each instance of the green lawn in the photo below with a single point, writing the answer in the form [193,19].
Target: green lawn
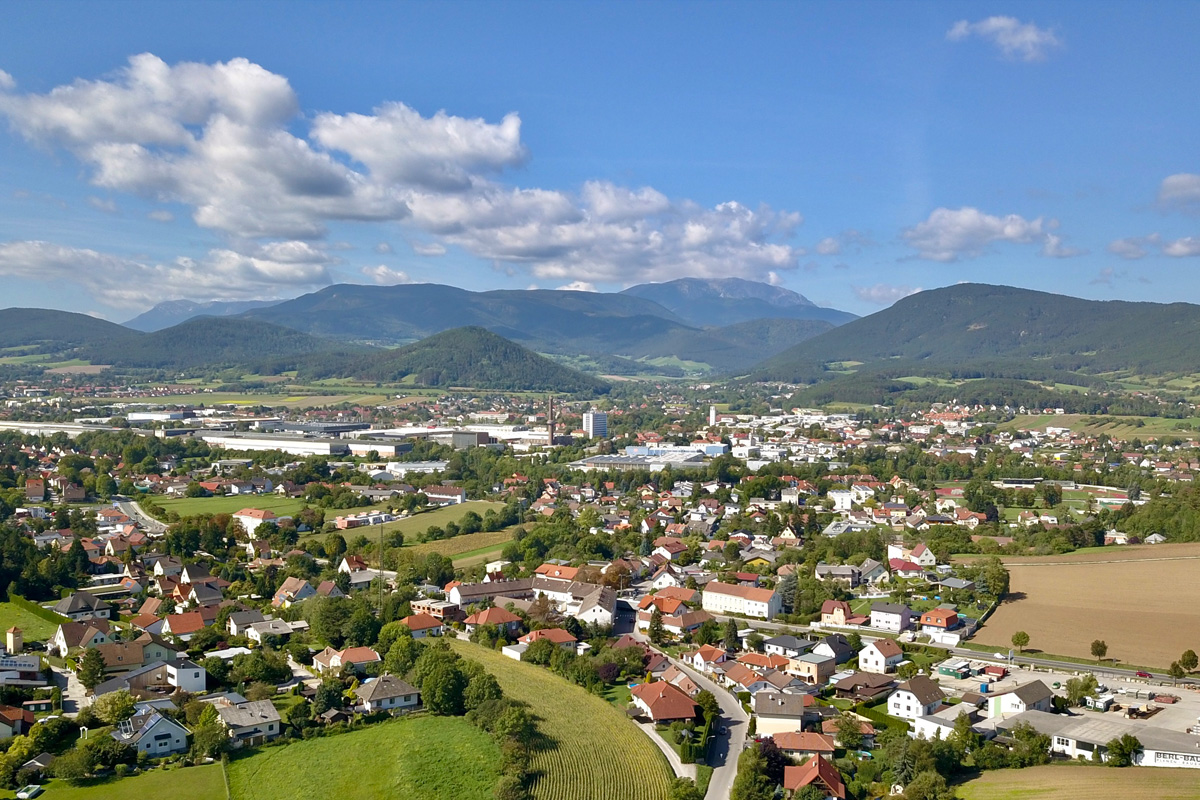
[421,757]
[192,783]
[191,506]
[34,628]
[419,523]
[1082,782]
[598,754]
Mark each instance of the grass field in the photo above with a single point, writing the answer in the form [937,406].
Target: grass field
[477,546]
[1140,600]
[35,629]
[1078,782]
[599,754]
[1118,427]
[423,757]
[193,783]
[190,506]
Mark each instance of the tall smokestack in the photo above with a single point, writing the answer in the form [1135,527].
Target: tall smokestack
[550,422]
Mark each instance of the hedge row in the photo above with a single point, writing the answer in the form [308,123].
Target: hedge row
[36,610]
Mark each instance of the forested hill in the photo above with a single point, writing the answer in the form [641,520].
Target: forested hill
[470,356]
[51,330]
[1000,325]
[204,341]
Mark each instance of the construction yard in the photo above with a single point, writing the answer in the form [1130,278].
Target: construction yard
[1141,601]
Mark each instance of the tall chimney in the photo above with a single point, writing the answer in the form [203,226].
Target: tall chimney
[550,422]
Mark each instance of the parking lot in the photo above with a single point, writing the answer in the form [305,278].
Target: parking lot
[1179,717]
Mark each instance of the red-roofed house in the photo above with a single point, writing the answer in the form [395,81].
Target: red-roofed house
[423,625]
[815,772]
[494,616]
[557,635]
[663,702]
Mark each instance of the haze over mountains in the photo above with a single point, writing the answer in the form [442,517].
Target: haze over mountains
[494,338]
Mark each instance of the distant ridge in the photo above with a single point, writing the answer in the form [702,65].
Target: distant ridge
[979,323]
[173,312]
[727,301]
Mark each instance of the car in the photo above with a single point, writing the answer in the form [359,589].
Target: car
[29,792]
[1143,674]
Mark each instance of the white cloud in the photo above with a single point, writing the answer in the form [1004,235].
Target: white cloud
[383,248]
[1053,247]
[1018,40]
[1183,248]
[577,286]
[124,282]
[106,205]
[161,215]
[883,294]
[829,246]
[1133,247]
[7,84]
[386,276]
[1180,191]
[428,248]
[1140,246]
[952,234]
[230,141]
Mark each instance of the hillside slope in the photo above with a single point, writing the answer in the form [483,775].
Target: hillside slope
[727,301]
[52,330]
[470,356]
[978,323]
[173,312]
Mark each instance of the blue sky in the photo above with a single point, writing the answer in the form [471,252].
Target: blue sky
[850,151]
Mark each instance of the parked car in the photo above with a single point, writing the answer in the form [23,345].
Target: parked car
[1142,674]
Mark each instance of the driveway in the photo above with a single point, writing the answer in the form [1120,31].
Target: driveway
[74,696]
[725,749]
[682,770]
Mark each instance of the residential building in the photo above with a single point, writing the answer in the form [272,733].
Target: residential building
[917,697]
[816,771]
[250,722]
[83,605]
[152,733]
[1032,696]
[725,598]
[890,617]
[388,693]
[880,656]
[663,702]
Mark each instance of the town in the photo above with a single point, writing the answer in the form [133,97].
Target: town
[794,598]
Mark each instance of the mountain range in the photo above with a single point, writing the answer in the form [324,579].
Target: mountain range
[488,339]
[173,312]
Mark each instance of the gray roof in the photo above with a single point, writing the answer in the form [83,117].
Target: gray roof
[140,724]
[383,688]
[923,688]
[789,642]
[1033,692]
[1100,729]
[890,608]
[770,704]
[258,712]
[80,601]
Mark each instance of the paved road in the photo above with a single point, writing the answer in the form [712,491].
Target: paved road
[74,696]
[725,749]
[149,523]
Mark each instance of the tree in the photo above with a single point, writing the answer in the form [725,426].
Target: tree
[329,695]
[1122,751]
[114,707]
[1099,649]
[1189,660]
[709,705]
[730,638]
[402,655]
[1078,689]
[482,688]
[442,690]
[708,633]
[1020,640]
[752,782]
[685,789]
[73,766]
[91,669]
[928,785]
[849,731]
[657,634]
[1176,671]
[210,740]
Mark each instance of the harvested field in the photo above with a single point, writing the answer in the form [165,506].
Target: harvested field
[1076,782]
[1145,606]
[1133,552]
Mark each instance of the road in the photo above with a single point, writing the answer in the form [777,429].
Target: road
[74,696]
[147,522]
[725,748]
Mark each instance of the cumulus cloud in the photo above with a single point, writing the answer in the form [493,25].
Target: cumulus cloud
[1180,191]
[1183,248]
[230,141]
[386,276]
[7,84]
[883,294]
[829,246]
[577,286]
[428,248]
[1022,41]
[1136,247]
[953,234]
[118,281]
[106,205]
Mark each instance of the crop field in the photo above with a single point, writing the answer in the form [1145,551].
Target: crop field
[1077,782]
[35,629]
[190,506]
[193,783]
[597,753]
[469,545]
[423,758]
[1118,427]
[1142,601]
